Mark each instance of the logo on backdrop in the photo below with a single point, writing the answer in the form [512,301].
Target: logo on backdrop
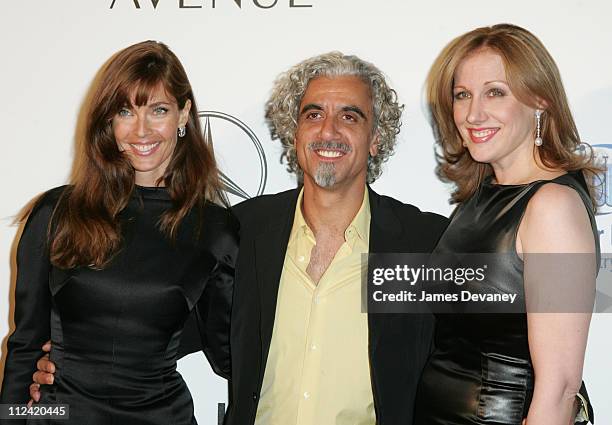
[603,183]
[201,4]
[251,152]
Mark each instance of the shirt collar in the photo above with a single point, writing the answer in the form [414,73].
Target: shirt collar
[360,223]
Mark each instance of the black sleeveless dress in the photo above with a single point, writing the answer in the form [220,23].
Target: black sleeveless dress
[480,371]
[116,332]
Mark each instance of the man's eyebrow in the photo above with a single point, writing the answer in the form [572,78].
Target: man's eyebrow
[310,107]
[348,108]
[355,109]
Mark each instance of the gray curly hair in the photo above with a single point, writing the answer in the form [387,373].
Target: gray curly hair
[282,108]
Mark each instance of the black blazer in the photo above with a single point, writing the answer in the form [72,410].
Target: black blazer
[398,343]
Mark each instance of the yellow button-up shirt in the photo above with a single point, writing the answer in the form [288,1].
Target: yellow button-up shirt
[318,371]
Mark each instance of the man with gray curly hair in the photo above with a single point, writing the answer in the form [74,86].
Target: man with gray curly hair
[282,109]
[302,351]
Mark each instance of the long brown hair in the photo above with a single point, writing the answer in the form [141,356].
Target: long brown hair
[532,76]
[85,228]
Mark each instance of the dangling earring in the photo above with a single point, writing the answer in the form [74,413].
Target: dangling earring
[182,131]
[538,140]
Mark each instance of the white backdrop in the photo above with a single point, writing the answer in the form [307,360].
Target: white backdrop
[52,49]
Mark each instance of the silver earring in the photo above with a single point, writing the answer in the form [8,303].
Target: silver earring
[538,140]
[182,131]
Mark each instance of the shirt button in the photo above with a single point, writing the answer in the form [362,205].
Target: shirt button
[317,300]
[306,395]
[255,397]
[313,347]
[301,258]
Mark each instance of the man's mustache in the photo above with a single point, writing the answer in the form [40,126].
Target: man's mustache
[338,146]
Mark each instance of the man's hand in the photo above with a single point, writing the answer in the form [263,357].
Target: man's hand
[44,374]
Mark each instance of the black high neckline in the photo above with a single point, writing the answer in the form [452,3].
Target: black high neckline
[147,192]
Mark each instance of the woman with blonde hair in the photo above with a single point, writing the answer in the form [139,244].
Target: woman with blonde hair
[508,143]
[110,266]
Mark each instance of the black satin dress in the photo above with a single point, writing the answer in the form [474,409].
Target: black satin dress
[480,371]
[115,332]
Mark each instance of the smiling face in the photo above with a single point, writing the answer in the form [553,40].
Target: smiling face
[147,134]
[334,134]
[495,126]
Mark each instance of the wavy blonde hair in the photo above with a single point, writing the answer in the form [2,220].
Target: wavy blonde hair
[282,108]
[532,76]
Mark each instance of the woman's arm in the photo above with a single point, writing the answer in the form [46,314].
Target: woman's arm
[32,306]
[558,287]
[213,310]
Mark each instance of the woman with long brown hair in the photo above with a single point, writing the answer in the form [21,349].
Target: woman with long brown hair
[509,145]
[110,266]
